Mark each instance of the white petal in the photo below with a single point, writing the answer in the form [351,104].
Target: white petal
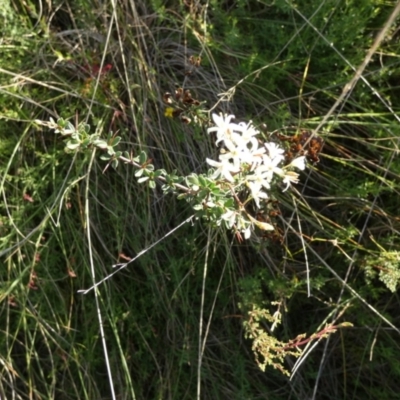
[299,163]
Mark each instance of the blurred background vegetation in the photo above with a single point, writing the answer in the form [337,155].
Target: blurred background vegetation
[66,219]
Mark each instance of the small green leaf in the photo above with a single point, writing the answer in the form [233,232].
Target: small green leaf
[101,144]
[139,173]
[142,157]
[192,180]
[115,141]
[159,172]
[202,181]
[85,128]
[150,167]
[86,143]
[152,185]
[143,179]
[203,194]
[114,163]
[72,145]
[68,127]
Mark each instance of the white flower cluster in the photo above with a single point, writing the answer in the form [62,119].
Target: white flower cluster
[245,161]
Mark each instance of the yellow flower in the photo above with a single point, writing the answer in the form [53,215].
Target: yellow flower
[169,112]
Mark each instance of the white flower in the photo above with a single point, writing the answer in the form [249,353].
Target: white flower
[274,151]
[53,123]
[256,192]
[249,133]
[224,169]
[67,130]
[226,131]
[271,165]
[244,226]
[261,176]
[258,180]
[236,154]
[229,217]
[290,177]
[253,155]
[247,232]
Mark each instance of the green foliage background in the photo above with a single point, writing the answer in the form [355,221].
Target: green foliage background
[66,219]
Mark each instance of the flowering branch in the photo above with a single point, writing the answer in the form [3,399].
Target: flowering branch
[245,166]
